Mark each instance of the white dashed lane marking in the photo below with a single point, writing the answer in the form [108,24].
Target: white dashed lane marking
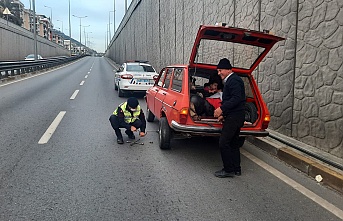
[82,82]
[74,95]
[50,131]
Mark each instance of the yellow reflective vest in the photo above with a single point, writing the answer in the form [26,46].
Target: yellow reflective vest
[128,117]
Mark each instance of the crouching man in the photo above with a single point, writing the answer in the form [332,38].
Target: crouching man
[130,116]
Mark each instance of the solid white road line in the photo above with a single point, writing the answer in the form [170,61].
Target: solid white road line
[74,94]
[308,193]
[86,76]
[82,82]
[48,133]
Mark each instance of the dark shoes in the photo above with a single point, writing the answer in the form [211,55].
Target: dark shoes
[238,173]
[120,141]
[222,173]
[130,134]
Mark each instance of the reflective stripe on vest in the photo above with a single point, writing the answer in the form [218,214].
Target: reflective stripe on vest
[128,117]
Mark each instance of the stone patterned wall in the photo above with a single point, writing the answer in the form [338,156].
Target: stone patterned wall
[301,79]
[318,87]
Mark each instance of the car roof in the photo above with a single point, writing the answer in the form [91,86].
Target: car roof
[138,63]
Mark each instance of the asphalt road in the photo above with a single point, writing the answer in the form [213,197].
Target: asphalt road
[79,172]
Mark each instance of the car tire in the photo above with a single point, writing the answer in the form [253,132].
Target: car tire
[150,116]
[250,112]
[120,92]
[164,132]
[115,86]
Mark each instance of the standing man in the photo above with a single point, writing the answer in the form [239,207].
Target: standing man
[232,111]
[130,116]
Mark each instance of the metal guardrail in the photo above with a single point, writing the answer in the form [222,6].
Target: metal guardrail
[13,68]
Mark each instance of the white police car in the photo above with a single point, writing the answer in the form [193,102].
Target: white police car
[134,76]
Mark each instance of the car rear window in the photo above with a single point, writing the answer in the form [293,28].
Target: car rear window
[140,68]
[240,55]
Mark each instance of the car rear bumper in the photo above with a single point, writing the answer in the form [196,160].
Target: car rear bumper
[212,131]
[131,87]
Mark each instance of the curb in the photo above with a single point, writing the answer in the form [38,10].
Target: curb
[312,167]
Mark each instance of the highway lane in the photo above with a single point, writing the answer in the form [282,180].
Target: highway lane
[81,173]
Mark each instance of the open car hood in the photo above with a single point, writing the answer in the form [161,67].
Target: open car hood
[244,48]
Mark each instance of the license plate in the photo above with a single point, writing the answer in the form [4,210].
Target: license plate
[142,80]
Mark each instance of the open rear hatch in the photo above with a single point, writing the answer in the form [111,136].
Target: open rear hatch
[244,48]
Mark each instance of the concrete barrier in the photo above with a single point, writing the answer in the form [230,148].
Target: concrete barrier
[17,42]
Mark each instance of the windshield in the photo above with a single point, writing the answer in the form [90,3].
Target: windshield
[139,68]
[240,55]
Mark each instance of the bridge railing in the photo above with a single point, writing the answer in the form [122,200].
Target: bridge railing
[13,68]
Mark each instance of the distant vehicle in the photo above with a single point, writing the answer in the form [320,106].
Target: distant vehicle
[134,76]
[31,57]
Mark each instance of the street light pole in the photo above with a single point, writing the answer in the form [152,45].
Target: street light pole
[80,24]
[62,24]
[87,39]
[50,13]
[109,21]
[109,31]
[69,22]
[34,30]
[84,31]
[114,17]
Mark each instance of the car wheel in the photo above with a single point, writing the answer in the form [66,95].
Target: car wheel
[115,86]
[250,112]
[164,133]
[150,115]
[120,92]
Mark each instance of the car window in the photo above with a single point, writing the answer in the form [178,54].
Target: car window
[148,68]
[177,79]
[160,81]
[168,77]
[140,68]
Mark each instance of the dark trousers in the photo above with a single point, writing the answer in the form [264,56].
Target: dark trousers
[117,124]
[229,143]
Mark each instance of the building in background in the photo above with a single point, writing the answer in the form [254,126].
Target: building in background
[44,27]
[28,19]
[57,37]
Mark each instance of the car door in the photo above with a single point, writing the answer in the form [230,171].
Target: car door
[151,92]
[162,92]
[174,101]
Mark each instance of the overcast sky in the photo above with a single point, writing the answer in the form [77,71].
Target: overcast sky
[97,12]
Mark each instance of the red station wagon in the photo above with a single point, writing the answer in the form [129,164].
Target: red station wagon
[170,99]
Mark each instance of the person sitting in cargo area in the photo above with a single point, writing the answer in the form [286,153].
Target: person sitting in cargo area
[130,116]
[215,85]
[204,106]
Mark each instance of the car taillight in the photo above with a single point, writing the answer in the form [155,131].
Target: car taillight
[183,115]
[155,77]
[265,122]
[126,76]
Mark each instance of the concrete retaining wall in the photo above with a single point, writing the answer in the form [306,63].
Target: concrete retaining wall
[301,79]
[17,42]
